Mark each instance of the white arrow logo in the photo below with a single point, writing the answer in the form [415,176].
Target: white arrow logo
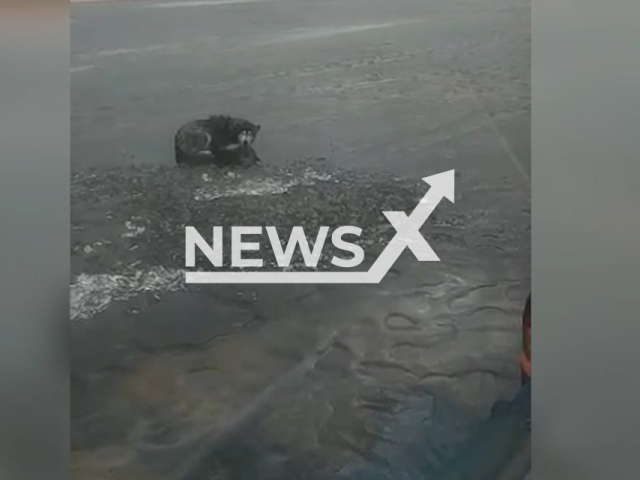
[407,236]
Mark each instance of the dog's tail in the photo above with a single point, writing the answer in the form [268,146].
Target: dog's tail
[178,153]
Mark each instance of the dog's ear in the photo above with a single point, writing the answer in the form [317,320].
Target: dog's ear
[258,127]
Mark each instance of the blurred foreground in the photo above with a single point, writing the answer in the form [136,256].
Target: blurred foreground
[285,381]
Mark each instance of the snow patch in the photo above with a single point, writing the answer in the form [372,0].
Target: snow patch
[92,293]
[257,187]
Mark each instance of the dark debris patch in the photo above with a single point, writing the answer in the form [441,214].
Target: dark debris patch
[134,218]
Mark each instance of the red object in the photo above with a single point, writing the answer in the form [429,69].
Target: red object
[525,356]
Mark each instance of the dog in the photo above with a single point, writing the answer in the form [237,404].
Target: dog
[220,139]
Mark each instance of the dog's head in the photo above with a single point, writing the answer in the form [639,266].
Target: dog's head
[247,133]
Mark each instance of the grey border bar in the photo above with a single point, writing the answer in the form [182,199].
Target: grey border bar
[586,236]
[34,240]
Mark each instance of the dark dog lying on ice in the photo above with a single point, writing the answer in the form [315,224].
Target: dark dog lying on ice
[220,140]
